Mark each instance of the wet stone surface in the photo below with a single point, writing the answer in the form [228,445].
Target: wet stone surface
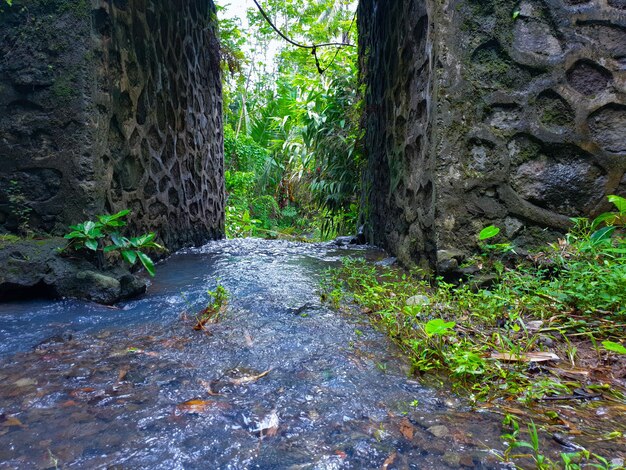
[87,386]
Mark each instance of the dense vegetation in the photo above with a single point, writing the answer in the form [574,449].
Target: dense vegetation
[537,331]
[291,133]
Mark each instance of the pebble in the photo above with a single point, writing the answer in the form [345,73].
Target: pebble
[439,430]
[456,460]
[25,382]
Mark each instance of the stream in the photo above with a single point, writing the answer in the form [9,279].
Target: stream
[282,381]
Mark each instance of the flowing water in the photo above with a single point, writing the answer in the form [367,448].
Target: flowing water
[282,381]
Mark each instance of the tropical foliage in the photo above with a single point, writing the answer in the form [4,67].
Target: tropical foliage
[291,134]
[102,237]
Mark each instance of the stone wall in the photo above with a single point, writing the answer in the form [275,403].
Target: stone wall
[109,105]
[486,112]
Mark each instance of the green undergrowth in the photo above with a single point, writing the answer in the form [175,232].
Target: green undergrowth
[456,329]
[255,208]
[550,326]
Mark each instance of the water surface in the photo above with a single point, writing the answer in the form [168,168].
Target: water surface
[85,386]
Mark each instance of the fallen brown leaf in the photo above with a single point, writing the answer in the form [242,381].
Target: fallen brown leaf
[389,460]
[407,429]
[268,427]
[195,406]
[12,421]
[570,373]
[122,374]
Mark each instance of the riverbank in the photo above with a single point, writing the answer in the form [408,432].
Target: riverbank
[535,338]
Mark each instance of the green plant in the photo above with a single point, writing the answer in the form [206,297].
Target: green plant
[438,327]
[490,232]
[591,264]
[131,249]
[218,300]
[239,223]
[514,443]
[614,347]
[19,207]
[102,237]
[88,234]
[578,460]
[295,130]
[8,238]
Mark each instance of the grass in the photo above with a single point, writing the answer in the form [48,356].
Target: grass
[8,238]
[498,344]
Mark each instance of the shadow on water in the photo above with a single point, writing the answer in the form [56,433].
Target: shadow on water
[281,382]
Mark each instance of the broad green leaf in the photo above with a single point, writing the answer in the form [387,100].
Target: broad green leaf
[89,226]
[438,327]
[518,444]
[619,202]
[123,213]
[143,241]
[112,220]
[91,244]
[601,235]
[147,262]
[607,218]
[614,347]
[116,223]
[74,235]
[488,232]
[119,241]
[130,256]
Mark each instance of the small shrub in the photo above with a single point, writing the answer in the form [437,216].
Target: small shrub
[102,236]
[215,308]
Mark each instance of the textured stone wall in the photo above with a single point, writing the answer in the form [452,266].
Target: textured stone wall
[109,105]
[490,112]
[396,63]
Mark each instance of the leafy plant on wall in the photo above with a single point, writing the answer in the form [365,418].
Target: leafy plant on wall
[102,237]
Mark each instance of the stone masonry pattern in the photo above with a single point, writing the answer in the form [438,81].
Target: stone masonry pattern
[487,112]
[111,105]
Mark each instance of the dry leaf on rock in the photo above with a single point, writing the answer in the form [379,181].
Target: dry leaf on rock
[209,388]
[11,421]
[269,425]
